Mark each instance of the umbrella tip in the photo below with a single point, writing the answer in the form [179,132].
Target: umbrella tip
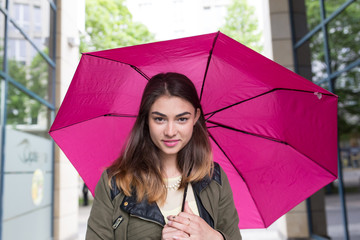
[319,95]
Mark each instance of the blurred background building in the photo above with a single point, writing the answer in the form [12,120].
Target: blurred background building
[39,52]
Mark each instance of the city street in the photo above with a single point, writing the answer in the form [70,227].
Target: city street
[335,219]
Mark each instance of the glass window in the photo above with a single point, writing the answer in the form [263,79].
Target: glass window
[49,41]
[26,114]
[37,18]
[28,158]
[2,85]
[305,16]
[47,22]
[311,60]
[39,44]
[21,14]
[28,67]
[344,37]
[332,5]
[347,87]
[2,41]
[313,13]
[32,17]
[22,49]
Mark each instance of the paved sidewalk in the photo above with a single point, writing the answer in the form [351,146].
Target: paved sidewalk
[83,217]
[335,219]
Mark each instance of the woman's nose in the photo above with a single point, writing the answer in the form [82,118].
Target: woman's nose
[170,129]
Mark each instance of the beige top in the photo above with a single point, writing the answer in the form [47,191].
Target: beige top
[174,200]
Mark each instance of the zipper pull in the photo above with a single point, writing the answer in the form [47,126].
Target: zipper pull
[117,222]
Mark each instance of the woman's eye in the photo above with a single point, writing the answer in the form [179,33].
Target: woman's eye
[159,119]
[183,119]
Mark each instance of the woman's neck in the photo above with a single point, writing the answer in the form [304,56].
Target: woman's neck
[170,166]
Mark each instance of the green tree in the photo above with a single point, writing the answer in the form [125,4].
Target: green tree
[21,109]
[39,83]
[242,25]
[16,112]
[109,24]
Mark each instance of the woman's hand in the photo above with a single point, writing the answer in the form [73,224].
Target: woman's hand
[194,226]
[168,233]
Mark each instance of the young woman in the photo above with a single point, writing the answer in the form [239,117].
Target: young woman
[165,184]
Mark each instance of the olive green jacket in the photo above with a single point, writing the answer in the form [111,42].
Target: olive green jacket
[115,216]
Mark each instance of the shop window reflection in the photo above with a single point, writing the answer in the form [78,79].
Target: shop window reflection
[26,114]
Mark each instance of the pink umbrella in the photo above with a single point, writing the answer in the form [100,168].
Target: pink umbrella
[272,131]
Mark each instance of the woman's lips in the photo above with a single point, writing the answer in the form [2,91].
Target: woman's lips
[171,143]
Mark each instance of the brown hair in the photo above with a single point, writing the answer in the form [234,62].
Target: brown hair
[139,166]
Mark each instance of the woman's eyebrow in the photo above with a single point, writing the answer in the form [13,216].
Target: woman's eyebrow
[164,115]
[158,113]
[183,114]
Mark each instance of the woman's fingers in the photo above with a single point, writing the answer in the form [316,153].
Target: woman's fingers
[187,208]
[185,227]
[171,232]
[183,219]
[194,226]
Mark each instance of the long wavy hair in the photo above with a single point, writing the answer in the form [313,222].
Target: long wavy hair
[139,168]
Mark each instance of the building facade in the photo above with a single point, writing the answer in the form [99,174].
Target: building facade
[39,42]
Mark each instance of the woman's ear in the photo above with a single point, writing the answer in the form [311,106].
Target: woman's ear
[197,115]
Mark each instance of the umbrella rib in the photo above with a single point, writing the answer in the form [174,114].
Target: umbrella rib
[271,139]
[222,150]
[245,132]
[270,91]
[139,71]
[309,158]
[105,115]
[132,66]
[208,63]
[268,138]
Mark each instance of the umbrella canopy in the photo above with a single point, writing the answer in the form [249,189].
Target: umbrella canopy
[273,132]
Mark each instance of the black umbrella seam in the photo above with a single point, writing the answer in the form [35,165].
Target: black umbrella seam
[300,152]
[208,64]
[245,132]
[262,94]
[268,138]
[132,66]
[307,157]
[104,115]
[222,150]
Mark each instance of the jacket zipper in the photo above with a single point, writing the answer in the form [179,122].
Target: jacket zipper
[117,222]
[145,219]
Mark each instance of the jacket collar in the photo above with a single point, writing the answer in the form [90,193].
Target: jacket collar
[151,211]
[144,210]
[199,186]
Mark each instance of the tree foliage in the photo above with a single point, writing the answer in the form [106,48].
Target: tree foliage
[109,24]
[242,25]
[344,37]
[21,109]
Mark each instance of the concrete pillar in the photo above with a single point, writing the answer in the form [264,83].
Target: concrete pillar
[70,15]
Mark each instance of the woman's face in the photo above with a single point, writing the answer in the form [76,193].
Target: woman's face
[171,122]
